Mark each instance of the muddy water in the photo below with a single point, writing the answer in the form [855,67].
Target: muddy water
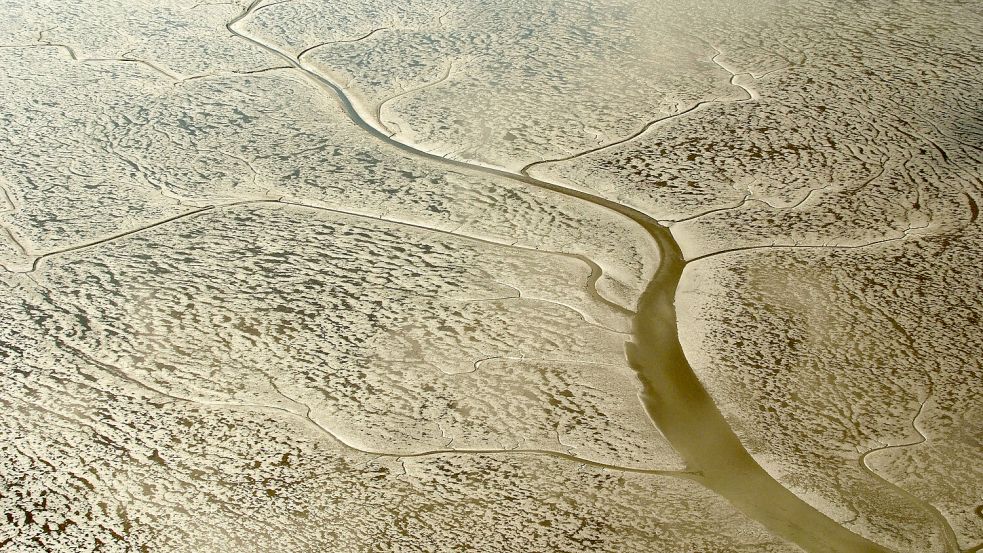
[672,395]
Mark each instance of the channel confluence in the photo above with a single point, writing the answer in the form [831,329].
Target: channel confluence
[672,395]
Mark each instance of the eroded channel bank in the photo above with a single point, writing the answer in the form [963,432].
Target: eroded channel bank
[672,395]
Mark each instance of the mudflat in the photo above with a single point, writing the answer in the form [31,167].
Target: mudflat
[304,275]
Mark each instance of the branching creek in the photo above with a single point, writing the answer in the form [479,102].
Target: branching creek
[672,395]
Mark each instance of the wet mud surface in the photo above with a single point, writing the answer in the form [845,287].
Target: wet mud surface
[308,276]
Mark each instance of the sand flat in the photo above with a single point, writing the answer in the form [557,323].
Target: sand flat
[599,276]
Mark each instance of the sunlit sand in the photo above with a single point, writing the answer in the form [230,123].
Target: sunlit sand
[305,275]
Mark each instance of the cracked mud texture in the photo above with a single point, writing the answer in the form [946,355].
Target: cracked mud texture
[239,318]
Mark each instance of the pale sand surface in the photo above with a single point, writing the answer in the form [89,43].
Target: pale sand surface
[370,276]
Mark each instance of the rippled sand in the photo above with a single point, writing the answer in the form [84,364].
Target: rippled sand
[305,275]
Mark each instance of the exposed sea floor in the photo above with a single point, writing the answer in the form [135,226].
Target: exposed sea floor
[580,276]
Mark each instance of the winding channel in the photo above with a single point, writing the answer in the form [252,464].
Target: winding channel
[672,395]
